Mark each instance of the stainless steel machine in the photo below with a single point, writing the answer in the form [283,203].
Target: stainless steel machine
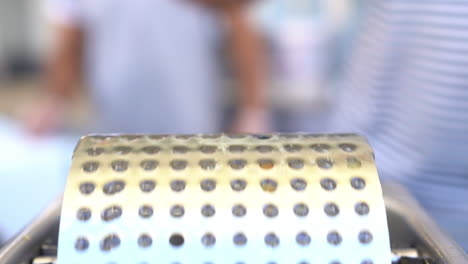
[282,198]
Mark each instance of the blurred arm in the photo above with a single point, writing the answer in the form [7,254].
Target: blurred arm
[64,67]
[62,77]
[247,56]
[246,53]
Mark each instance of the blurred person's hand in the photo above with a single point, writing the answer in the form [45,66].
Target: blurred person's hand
[251,120]
[44,117]
[220,4]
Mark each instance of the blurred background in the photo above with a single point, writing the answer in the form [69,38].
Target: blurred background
[275,65]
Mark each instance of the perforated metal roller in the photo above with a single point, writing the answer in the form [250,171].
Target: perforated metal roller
[224,199]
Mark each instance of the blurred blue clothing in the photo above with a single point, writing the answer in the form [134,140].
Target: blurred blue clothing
[33,174]
[406,89]
[151,65]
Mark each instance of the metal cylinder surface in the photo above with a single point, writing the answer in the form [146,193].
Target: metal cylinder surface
[282,198]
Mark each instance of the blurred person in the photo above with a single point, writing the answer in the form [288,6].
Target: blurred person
[151,65]
[406,89]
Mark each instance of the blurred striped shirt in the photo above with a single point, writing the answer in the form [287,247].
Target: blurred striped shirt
[406,88]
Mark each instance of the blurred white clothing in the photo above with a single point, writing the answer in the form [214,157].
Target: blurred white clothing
[151,65]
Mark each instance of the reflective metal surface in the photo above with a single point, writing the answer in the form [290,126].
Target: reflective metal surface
[224,199]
